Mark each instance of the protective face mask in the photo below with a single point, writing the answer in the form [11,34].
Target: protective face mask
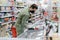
[32,11]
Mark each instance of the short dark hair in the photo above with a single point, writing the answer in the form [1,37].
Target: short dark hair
[34,6]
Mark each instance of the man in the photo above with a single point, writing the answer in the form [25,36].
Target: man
[24,17]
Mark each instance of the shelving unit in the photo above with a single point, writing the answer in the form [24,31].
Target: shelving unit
[7,17]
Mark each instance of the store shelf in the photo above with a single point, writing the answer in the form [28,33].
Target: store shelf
[12,5]
[6,5]
[6,16]
[6,11]
[7,22]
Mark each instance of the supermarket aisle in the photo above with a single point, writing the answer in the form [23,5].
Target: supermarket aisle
[8,17]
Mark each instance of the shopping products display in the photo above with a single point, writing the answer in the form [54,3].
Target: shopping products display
[7,18]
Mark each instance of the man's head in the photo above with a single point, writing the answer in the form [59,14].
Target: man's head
[33,8]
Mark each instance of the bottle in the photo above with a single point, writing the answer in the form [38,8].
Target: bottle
[14,32]
[12,13]
[2,8]
[6,19]
[8,8]
[13,18]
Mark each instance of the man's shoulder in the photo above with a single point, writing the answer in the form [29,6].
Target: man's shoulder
[24,11]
